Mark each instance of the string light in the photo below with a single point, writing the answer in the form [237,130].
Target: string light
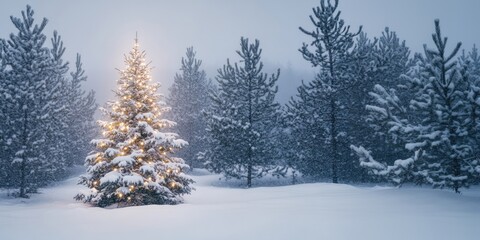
[137,101]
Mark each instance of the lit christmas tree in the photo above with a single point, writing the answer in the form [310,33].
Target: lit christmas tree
[132,164]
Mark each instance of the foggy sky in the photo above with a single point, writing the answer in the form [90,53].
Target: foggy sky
[103,31]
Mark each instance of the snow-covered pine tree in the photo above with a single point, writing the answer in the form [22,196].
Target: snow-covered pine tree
[35,108]
[81,107]
[188,98]
[4,163]
[318,109]
[54,123]
[132,165]
[441,139]
[361,72]
[242,118]
[470,63]
[390,58]
[30,68]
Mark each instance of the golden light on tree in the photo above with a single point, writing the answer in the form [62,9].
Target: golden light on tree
[135,144]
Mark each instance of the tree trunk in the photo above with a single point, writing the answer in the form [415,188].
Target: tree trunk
[333,132]
[249,176]
[23,165]
[250,121]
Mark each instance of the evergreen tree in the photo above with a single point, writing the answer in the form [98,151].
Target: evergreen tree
[441,139]
[36,134]
[30,75]
[79,120]
[4,163]
[471,73]
[54,124]
[132,164]
[390,58]
[318,112]
[242,118]
[188,98]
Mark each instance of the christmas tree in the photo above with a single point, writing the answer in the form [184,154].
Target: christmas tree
[133,163]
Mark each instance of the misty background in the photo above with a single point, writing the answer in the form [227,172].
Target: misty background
[103,31]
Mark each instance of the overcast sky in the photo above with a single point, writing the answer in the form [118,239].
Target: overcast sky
[103,31]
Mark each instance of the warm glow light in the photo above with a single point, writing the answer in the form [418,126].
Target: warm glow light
[138,106]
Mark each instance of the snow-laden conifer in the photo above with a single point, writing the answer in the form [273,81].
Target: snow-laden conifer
[243,117]
[188,98]
[318,113]
[441,137]
[132,164]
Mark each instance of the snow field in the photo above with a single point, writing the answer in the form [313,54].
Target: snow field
[217,211]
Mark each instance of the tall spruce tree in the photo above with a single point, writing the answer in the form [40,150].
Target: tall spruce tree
[133,165]
[242,117]
[188,98]
[28,80]
[36,140]
[318,112]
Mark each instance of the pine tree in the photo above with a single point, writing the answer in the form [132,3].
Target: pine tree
[54,123]
[81,109]
[390,60]
[470,64]
[4,163]
[132,165]
[242,118]
[36,134]
[30,74]
[318,107]
[188,98]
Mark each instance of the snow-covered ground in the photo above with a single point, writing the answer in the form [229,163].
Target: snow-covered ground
[217,211]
